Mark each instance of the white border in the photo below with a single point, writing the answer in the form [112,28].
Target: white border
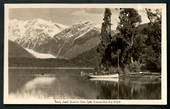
[163,100]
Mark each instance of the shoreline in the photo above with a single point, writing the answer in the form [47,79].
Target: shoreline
[90,68]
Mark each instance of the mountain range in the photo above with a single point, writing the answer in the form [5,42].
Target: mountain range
[39,42]
[46,39]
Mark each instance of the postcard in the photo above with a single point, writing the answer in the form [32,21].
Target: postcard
[85,54]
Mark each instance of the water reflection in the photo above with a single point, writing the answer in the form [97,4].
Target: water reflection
[68,84]
[39,82]
[128,90]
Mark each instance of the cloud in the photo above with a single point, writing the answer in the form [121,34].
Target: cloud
[89,11]
[79,12]
[95,10]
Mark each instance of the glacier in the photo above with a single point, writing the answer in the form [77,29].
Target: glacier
[40,55]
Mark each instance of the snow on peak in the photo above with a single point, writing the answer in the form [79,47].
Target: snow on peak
[76,30]
[34,33]
[16,29]
[20,28]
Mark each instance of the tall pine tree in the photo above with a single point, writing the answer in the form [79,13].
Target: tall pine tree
[105,38]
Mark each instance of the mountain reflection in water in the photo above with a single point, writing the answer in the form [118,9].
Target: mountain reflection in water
[68,84]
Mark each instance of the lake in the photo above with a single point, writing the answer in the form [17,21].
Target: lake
[68,84]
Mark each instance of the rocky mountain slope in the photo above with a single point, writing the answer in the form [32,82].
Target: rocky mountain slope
[45,37]
[77,39]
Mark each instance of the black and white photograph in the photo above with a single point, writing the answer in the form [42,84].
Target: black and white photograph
[85,54]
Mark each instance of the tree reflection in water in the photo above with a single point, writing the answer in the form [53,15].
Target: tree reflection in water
[128,90]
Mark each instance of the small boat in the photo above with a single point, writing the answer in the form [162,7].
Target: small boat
[105,76]
[105,79]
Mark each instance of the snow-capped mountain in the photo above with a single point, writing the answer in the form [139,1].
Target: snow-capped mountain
[40,37]
[31,28]
[76,30]
[36,34]
[77,39]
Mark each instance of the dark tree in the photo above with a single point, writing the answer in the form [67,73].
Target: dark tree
[153,42]
[129,20]
[105,38]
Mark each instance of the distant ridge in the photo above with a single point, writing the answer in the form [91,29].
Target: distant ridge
[16,51]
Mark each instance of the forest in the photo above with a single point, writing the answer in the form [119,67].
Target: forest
[136,46]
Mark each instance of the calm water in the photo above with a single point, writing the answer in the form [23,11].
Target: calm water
[68,84]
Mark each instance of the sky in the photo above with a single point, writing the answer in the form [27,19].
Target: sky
[68,16]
